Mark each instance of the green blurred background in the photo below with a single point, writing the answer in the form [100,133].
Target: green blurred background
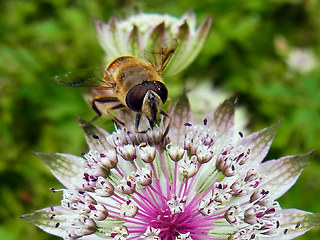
[246,52]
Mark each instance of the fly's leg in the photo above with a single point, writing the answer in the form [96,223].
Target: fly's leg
[138,118]
[118,106]
[167,130]
[103,100]
[169,124]
[151,123]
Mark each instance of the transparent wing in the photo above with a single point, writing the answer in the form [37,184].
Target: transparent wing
[89,77]
[161,53]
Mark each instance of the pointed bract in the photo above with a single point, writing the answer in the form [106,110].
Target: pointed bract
[96,137]
[157,36]
[221,119]
[134,41]
[297,222]
[280,175]
[181,118]
[65,167]
[259,143]
[44,220]
[192,48]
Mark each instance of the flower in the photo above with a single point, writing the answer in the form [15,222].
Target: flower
[179,180]
[142,32]
[301,60]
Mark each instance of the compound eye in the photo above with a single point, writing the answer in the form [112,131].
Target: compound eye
[135,96]
[160,89]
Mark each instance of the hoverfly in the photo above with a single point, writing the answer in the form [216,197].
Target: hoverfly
[135,84]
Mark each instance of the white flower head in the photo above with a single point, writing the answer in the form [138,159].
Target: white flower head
[301,60]
[145,31]
[231,195]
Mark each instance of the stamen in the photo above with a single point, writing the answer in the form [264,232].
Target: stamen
[128,209]
[204,154]
[147,153]
[127,185]
[109,158]
[119,232]
[175,152]
[143,176]
[128,152]
[152,233]
[188,166]
[177,205]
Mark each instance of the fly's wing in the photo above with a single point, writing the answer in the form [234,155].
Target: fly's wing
[161,53]
[89,77]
